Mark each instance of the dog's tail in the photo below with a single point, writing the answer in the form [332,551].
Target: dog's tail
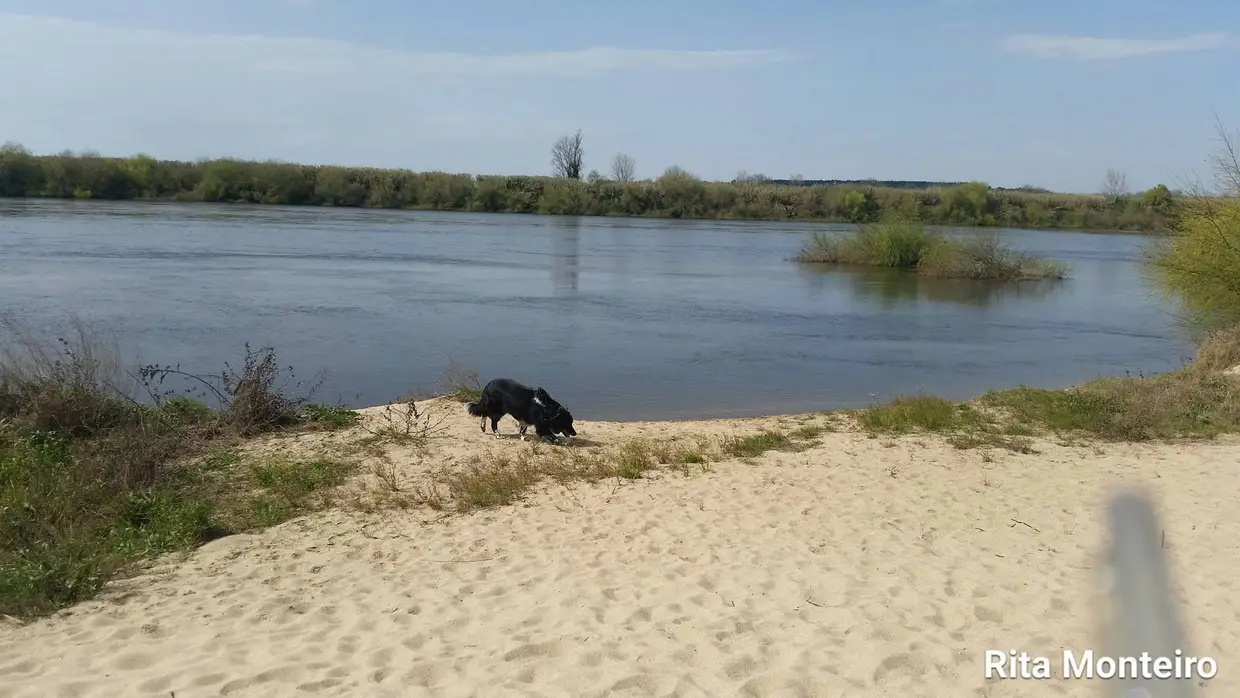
[477,409]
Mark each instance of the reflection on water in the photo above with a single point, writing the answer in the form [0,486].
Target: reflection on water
[565,246]
[892,287]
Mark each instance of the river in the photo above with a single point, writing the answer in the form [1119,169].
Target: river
[618,318]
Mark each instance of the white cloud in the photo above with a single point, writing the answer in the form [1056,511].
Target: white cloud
[73,84]
[330,57]
[1088,48]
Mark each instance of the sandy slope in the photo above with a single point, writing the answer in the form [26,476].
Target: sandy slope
[862,567]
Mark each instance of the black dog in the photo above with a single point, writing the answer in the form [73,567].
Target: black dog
[504,396]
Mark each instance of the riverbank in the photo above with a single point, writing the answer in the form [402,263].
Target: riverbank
[838,560]
[379,551]
[98,481]
[675,194]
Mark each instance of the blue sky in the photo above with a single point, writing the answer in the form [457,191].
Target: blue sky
[1010,92]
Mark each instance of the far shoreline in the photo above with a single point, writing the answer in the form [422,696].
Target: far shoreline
[674,193]
[1142,232]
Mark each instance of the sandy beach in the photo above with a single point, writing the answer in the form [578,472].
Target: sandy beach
[856,567]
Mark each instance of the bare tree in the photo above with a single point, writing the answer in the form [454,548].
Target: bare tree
[567,155]
[1226,161]
[623,167]
[1114,184]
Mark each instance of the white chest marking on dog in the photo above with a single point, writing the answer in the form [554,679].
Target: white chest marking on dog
[539,402]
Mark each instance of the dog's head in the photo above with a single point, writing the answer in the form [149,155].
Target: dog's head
[558,419]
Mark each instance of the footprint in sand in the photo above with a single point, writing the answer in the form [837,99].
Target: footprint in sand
[537,650]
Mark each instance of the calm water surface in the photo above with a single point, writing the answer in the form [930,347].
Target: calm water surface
[618,318]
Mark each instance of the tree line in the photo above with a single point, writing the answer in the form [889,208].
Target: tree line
[676,193]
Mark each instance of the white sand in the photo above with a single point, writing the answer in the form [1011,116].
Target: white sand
[862,567]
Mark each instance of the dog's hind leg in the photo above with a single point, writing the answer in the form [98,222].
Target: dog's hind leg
[524,426]
[494,426]
[484,425]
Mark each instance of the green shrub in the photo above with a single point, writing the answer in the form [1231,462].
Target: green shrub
[906,244]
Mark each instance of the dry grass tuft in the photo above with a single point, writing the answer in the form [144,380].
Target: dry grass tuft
[407,423]
[497,479]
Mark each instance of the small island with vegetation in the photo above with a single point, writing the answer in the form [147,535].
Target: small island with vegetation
[908,244]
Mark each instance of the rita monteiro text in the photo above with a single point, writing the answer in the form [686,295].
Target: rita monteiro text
[1088,664]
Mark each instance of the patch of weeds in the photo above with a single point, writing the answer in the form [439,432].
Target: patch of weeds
[156,522]
[488,482]
[809,432]
[1188,403]
[1017,429]
[330,416]
[287,488]
[692,458]
[983,439]
[406,422]
[296,479]
[390,490]
[635,458]
[692,461]
[94,481]
[756,444]
[254,397]
[223,459]
[1057,410]
[749,447]
[906,415]
[387,474]
[964,425]
[69,525]
[186,409]
[265,510]
[505,478]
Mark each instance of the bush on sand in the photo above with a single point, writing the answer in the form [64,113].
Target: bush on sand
[93,481]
